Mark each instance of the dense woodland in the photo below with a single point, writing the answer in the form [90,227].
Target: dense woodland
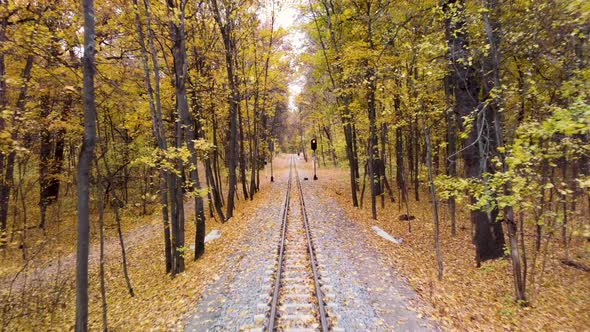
[180,88]
[481,104]
[120,109]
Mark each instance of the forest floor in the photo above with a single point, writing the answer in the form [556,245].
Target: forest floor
[467,299]
[39,293]
[470,298]
[366,294]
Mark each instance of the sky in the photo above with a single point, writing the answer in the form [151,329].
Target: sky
[287,17]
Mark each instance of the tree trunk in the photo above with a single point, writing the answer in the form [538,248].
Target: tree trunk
[363,185]
[492,62]
[100,203]
[489,237]
[226,27]
[416,161]
[373,153]
[116,205]
[410,154]
[301,142]
[157,122]
[439,262]
[3,104]
[51,156]
[262,109]
[355,152]
[255,152]
[399,147]
[451,165]
[242,156]
[213,189]
[352,163]
[216,167]
[44,163]
[331,145]
[255,155]
[320,136]
[84,166]
[8,167]
[187,131]
[383,159]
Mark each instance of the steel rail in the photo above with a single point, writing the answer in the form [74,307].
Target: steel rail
[311,250]
[281,250]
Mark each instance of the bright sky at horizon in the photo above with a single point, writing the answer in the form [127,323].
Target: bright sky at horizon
[287,17]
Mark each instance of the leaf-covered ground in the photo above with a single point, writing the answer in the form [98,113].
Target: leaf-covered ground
[362,292]
[160,302]
[369,293]
[468,298]
[231,302]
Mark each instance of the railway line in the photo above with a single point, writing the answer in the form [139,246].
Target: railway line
[297,298]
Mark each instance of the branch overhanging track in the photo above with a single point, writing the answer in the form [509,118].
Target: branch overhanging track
[279,282]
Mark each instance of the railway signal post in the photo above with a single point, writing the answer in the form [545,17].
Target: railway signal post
[271,148]
[314,146]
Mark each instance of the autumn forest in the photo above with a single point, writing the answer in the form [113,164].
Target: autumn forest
[294,165]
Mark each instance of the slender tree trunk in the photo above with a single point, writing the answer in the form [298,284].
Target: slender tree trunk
[242,156]
[3,104]
[355,152]
[492,63]
[209,197]
[382,176]
[439,262]
[416,161]
[352,162]
[523,250]
[213,189]
[44,163]
[121,241]
[172,190]
[51,157]
[542,201]
[186,135]
[178,217]
[226,27]
[255,152]
[255,155]
[116,202]
[410,153]
[451,165]
[20,193]
[331,145]
[216,194]
[264,99]
[399,159]
[216,167]
[564,203]
[157,122]
[100,203]
[319,133]
[8,167]
[373,153]
[363,186]
[116,206]
[84,166]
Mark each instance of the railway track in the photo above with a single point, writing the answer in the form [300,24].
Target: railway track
[297,302]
